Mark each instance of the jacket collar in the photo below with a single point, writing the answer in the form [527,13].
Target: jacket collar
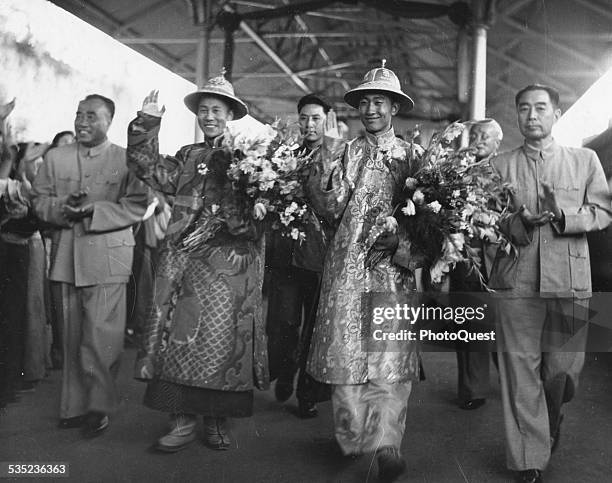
[95,150]
[545,153]
[383,140]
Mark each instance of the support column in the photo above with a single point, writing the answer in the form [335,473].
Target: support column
[203,59]
[478,100]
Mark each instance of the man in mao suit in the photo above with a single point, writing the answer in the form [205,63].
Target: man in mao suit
[85,190]
[560,193]
[294,270]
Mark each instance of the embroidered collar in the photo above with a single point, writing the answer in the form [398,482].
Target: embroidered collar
[93,151]
[384,140]
[215,142]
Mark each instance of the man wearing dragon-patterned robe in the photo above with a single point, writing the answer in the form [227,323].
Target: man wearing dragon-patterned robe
[204,345]
[370,388]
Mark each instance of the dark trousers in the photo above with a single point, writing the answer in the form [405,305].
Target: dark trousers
[293,296]
[13,291]
[141,287]
[473,372]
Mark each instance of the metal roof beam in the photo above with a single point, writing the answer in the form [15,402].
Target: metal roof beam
[274,56]
[531,70]
[583,57]
[115,23]
[140,14]
[313,39]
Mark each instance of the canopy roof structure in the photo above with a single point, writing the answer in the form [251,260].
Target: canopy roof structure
[277,50]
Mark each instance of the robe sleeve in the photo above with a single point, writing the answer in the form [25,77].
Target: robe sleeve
[160,172]
[327,187]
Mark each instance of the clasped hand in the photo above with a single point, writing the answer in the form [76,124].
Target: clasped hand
[548,202]
[74,210]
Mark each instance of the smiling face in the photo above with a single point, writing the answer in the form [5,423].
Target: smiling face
[484,138]
[536,115]
[213,114]
[92,122]
[376,111]
[312,122]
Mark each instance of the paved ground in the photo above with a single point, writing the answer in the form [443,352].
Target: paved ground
[442,442]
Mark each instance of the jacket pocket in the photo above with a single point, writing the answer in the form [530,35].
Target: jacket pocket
[66,185]
[580,272]
[569,196]
[120,246]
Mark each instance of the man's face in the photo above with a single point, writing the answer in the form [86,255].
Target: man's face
[376,111]
[485,139]
[312,122]
[536,115]
[92,122]
[213,114]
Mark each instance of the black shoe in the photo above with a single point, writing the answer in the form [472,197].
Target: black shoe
[530,476]
[307,410]
[95,424]
[283,391]
[390,464]
[75,422]
[472,403]
[554,439]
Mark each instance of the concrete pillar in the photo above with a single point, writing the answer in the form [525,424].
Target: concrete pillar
[478,99]
[203,59]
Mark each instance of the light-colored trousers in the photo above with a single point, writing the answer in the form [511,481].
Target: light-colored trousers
[370,416]
[93,325]
[540,345]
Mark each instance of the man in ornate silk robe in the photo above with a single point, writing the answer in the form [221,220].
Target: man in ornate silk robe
[370,388]
[204,343]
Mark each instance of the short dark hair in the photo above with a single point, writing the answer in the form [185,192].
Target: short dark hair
[552,93]
[59,136]
[110,105]
[314,99]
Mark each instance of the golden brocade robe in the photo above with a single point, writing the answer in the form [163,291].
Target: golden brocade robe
[373,171]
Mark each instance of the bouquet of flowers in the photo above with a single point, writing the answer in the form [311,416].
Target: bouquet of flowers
[267,173]
[450,202]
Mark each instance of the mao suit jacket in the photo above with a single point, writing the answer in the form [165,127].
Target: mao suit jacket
[553,259]
[96,250]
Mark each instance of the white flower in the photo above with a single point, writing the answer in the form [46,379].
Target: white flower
[411,183]
[292,208]
[439,269]
[390,224]
[295,233]
[435,206]
[398,153]
[409,209]
[418,197]
[214,209]
[202,169]
[454,246]
[259,211]
[456,193]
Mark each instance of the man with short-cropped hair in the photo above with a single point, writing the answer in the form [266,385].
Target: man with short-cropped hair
[85,191]
[559,194]
[294,270]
